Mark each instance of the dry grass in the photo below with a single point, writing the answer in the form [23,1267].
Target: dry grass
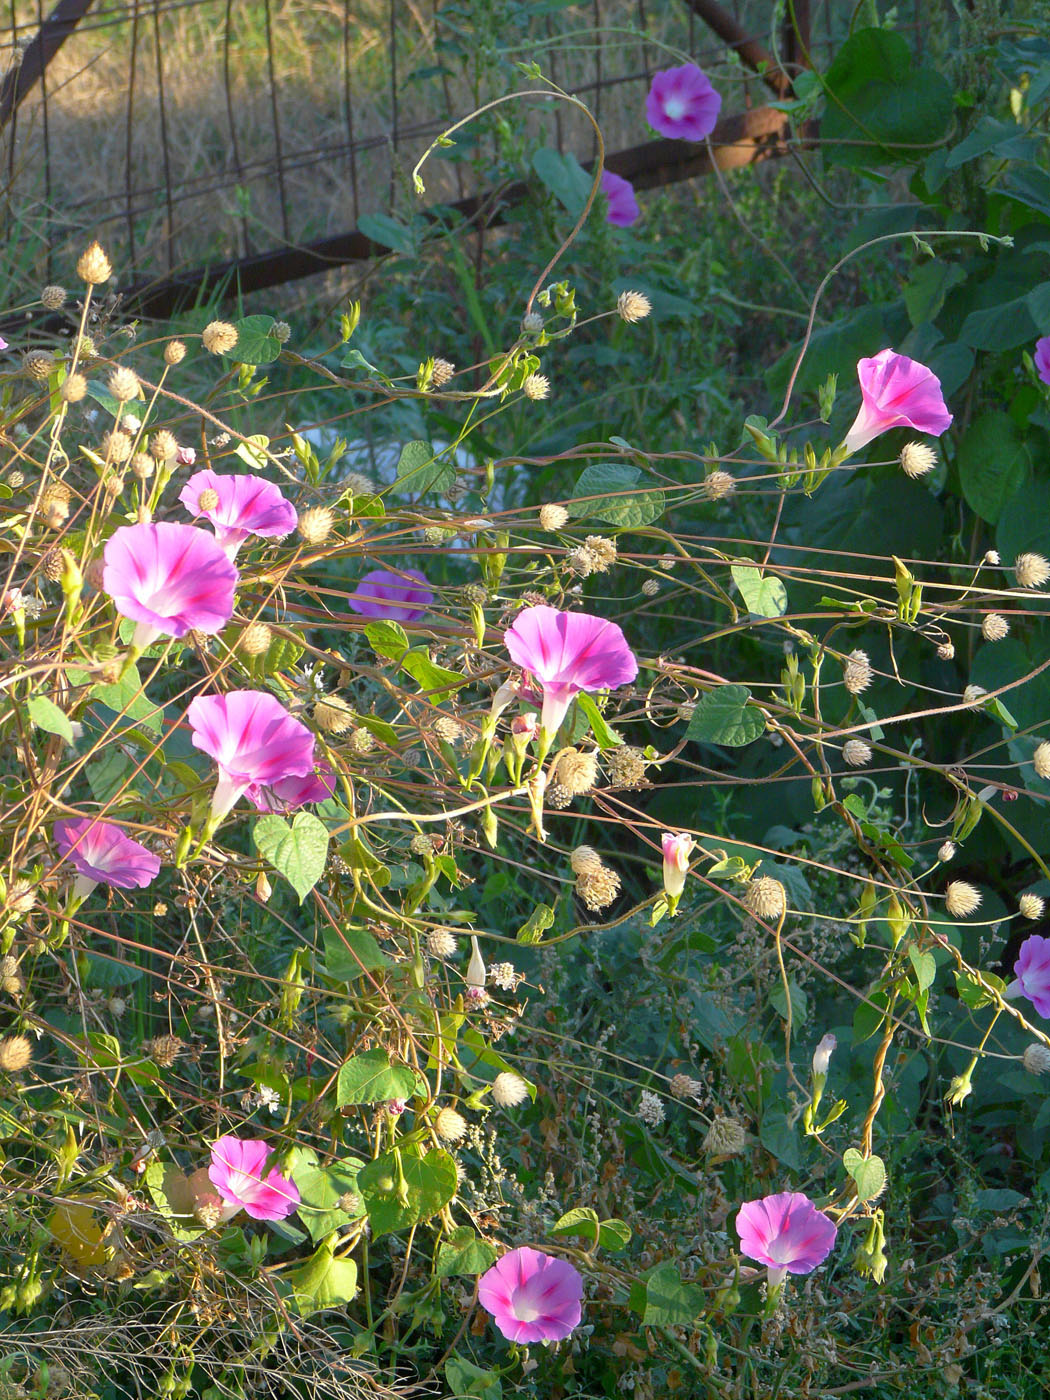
[162,136]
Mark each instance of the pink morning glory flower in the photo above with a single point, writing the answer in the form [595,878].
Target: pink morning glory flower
[253,739]
[1042,358]
[532,1296]
[237,1173]
[3,343]
[896,393]
[288,794]
[785,1232]
[396,597]
[677,849]
[168,578]
[622,206]
[682,104]
[1032,973]
[239,506]
[567,653]
[101,854]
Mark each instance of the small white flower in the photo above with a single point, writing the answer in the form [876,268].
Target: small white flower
[650,1109]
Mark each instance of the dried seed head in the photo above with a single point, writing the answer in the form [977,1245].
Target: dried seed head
[627,766]
[556,797]
[991,556]
[508,1090]
[651,587]
[358,484]
[725,1137]
[255,639]
[1041,759]
[1031,906]
[603,552]
[766,898]
[449,730]
[93,266]
[442,373]
[86,348]
[51,566]
[476,594]
[207,500]
[219,337]
[972,694]
[856,753]
[576,772]
[15,1053]
[316,524]
[54,505]
[441,943]
[421,845]
[450,1126]
[142,466]
[333,716]
[1037,1059]
[536,386]
[281,332]
[683,1086]
[532,323]
[1032,570]
[946,651]
[917,459]
[38,364]
[116,446]
[164,1050]
[717,486]
[633,306]
[553,517]
[53,297]
[123,384]
[857,672]
[163,445]
[74,387]
[961,899]
[994,627]
[598,890]
[946,851]
[362,740]
[585,860]
[174,352]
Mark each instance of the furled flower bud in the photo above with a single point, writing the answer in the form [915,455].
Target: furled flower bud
[677,848]
[822,1054]
[476,967]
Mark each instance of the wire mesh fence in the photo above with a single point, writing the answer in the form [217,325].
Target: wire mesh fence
[195,133]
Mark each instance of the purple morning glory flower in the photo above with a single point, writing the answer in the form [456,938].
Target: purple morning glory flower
[396,597]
